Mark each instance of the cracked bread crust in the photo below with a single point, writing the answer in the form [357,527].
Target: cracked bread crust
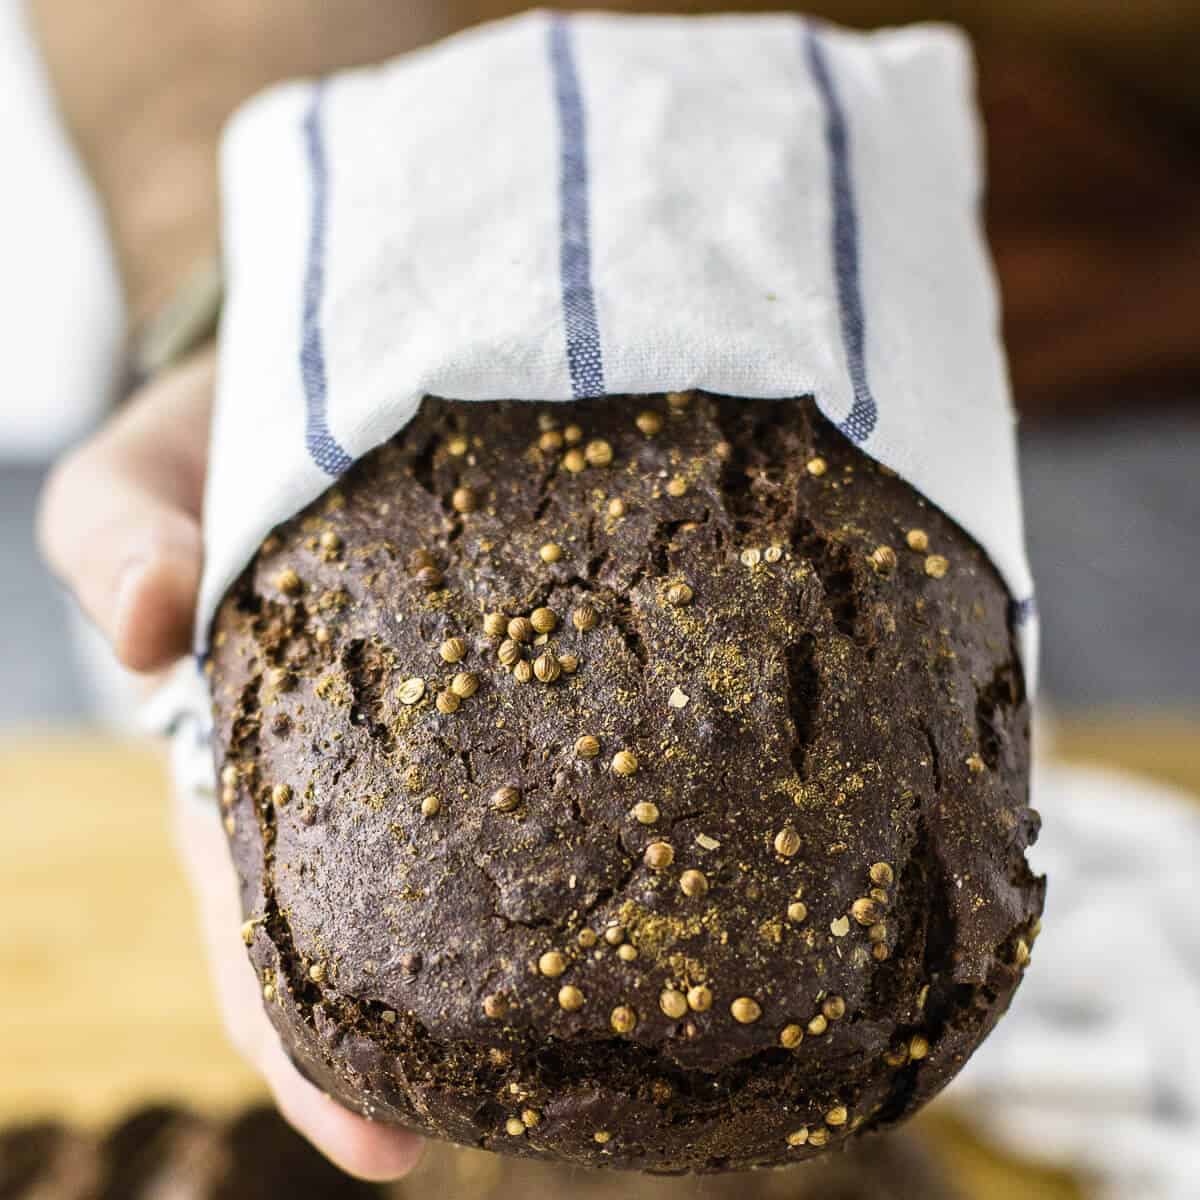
[166,1153]
[803,683]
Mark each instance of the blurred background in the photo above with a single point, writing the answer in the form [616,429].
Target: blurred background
[1092,112]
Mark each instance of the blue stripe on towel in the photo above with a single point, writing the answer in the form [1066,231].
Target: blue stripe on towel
[860,422]
[1024,610]
[322,446]
[584,356]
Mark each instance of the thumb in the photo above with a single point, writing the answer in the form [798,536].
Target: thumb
[120,518]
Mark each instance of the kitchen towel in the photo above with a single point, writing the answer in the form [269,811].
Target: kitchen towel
[555,206]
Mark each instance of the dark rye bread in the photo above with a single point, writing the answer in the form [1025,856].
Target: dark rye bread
[165,1153]
[46,1160]
[781,901]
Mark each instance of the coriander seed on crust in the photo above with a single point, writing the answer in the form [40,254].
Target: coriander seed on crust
[647,845]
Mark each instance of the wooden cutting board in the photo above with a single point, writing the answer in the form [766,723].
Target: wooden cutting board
[106,1002]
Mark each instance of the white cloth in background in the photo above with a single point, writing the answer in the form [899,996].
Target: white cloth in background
[553,206]
[60,302]
[1097,1065]
[60,305]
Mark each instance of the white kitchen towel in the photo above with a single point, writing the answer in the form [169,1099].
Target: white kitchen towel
[563,206]
[1097,1066]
